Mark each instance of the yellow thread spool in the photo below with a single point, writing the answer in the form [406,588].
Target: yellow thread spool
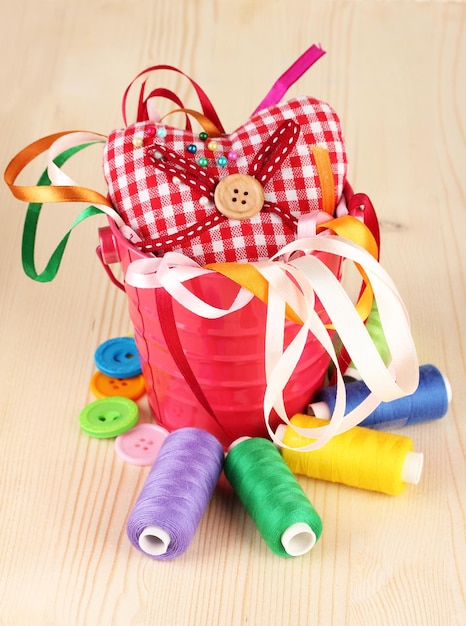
[360,457]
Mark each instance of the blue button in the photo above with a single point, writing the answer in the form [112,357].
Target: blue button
[118,357]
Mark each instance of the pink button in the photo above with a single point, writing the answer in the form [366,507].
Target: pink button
[141,444]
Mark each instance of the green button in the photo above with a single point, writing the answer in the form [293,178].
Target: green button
[109,417]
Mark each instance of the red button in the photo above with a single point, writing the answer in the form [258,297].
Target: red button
[141,444]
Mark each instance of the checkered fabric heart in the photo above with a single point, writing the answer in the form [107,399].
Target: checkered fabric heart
[163,181]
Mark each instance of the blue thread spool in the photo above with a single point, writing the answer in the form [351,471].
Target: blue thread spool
[429,402]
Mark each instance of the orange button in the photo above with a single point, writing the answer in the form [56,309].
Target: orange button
[239,196]
[103,386]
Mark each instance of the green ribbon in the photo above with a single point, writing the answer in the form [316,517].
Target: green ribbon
[31,221]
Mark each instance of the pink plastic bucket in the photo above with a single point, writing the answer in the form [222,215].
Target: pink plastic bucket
[226,355]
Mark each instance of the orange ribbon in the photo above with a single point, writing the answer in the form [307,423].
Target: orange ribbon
[327,183]
[43,194]
[346,226]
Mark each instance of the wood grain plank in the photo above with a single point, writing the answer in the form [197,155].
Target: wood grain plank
[394,73]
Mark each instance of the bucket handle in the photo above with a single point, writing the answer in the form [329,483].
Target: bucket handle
[108,269]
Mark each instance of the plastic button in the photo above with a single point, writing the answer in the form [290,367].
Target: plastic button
[239,196]
[141,444]
[118,358]
[108,417]
[103,386]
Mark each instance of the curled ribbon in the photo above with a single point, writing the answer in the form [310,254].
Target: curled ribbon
[56,186]
[292,287]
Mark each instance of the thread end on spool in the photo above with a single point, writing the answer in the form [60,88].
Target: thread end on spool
[154,540]
[352,373]
[280,432]
[236,442]
[319,410]
[448,390]
[412,468]
[298,539]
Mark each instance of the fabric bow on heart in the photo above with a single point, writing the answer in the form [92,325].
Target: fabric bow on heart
[231,198]
[236,196]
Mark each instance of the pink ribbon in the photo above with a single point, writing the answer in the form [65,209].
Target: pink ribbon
[292,74]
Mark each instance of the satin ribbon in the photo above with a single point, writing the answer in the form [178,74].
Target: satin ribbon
[142,114]
[297,283]
[170,272]
[290,76]
[55,186]
[60,180]
[164,303]
[400,378]
[210,128]
[345,226]
[274,95]
[44,194]
[147,110]
[327,183]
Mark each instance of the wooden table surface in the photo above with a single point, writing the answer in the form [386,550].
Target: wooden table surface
[395,72]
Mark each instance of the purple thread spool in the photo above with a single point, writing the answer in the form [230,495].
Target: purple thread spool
[176,493]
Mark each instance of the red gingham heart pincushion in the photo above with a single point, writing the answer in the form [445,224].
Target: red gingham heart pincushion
[231,198]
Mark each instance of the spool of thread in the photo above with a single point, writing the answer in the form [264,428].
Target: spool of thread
[176,493]
[375,330]
[360,457]
[273,497]
[429,402]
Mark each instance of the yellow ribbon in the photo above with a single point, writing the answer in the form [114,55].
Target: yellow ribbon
[246,275]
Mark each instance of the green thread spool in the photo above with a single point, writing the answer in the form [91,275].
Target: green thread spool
[375,330]
[272,497]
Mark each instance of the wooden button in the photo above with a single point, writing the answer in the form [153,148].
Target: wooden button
[239,196]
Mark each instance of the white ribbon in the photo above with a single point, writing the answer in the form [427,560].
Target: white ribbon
[314,279]
[170,272]
[298,282]
[58,177]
